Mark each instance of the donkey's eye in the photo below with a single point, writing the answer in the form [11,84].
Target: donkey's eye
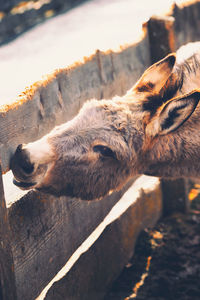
[104,151]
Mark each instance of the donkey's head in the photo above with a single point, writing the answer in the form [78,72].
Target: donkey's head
[108,141]
[86,157]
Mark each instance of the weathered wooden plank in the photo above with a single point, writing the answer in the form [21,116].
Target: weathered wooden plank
[161,36]
[7,272]
[187,22]
[45,233]
[96,269]
[175,196]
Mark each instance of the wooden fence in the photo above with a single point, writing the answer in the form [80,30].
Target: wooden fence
[61,248]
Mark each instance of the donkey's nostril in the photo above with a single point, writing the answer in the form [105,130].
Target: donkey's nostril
[26,166]
[21,161]
[19,148]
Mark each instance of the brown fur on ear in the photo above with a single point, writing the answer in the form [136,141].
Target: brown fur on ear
[154,78]
[154,101]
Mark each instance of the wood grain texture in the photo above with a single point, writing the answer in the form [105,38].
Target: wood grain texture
[187,22]
[96,269]
[45,233]
[7,272]
[175,196]
[161,37]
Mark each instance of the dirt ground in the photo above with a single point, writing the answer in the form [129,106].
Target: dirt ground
[166,263]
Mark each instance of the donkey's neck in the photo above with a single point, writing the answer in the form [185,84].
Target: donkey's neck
[174,155]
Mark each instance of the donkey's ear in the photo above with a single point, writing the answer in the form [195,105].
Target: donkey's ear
[156,76]
[173,114]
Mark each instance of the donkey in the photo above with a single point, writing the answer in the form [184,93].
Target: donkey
[153,129]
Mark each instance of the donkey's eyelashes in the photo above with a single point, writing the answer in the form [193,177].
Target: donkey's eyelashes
[104,151]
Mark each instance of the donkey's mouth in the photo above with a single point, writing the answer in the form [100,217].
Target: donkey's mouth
[24,185]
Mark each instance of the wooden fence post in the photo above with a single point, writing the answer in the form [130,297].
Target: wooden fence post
[161,36]
[162,42]
[7,276]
